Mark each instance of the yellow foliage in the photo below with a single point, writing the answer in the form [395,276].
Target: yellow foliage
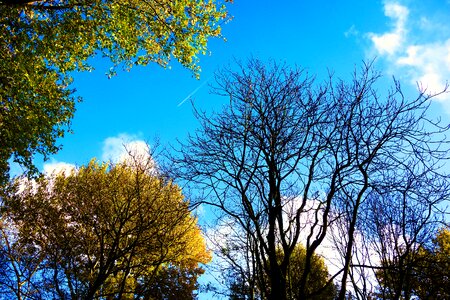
[113,227]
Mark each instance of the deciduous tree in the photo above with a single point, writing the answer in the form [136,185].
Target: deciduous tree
[42,42]
[104,231]
[287,159]
[318,285]
[242,286]
[424,273]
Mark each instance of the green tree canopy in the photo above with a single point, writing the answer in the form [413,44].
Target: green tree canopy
[101,231]
[43,41]
[318,284]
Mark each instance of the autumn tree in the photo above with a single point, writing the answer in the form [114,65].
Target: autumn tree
[42,42]
[287,159]
[396,225]
[101,231]
[426,271]
[318,285]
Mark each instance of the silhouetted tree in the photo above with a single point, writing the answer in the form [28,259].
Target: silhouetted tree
[286,160]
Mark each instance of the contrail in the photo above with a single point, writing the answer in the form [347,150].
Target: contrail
[193,92]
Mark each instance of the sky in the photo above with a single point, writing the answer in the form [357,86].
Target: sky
[408,39]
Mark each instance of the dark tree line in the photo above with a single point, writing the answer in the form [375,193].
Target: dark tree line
[292,161]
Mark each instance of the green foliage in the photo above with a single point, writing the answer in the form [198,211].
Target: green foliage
[103,231]
[425,274]
[317,286]
[43,41]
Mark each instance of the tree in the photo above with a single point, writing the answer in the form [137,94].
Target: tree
[397,226]
[235,262]
[19,264]
[427,272]
[42,42]
[318,285]
[103,231]
[287,160]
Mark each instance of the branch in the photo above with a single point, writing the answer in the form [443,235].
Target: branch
[43,5]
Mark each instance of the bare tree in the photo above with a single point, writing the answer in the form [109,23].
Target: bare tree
[19,265]
[398,224]
[287,159]
[235,263]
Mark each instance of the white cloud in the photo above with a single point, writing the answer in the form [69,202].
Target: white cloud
[428,64]
[422,58]
[390,42]
[397,12]
[113,147]
[386,43]
[119,148]
[55,167]
[128,149]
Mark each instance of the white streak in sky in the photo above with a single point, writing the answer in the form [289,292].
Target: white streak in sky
[193,92]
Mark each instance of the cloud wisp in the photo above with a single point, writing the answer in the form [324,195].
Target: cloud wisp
[417,48]
[389,43]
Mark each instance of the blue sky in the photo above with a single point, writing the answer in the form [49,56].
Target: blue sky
[411,40]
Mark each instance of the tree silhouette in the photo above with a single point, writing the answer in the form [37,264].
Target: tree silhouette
[288,159]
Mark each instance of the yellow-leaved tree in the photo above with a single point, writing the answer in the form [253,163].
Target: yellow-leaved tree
[101,231]
[319,282]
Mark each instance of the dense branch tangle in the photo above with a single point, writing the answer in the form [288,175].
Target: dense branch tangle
[286,159]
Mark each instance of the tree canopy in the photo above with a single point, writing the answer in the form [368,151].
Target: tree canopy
[101,231]
[43,41]
[425,274]
[318,285]
[291,161]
